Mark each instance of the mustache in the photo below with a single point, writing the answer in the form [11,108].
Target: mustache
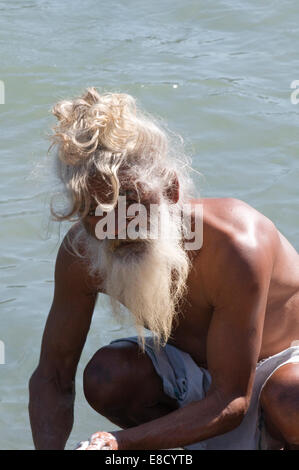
[117,243]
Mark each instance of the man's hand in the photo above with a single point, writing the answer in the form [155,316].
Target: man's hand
[99,441]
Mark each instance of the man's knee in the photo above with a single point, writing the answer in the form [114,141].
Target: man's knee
[108,375]
[121,375]
[280,402]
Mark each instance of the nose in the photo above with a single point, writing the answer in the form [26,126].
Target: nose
[108,225]
[113,224]
[121,224]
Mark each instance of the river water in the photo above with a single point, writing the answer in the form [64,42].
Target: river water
[218,72]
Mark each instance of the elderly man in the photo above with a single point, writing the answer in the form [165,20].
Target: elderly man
[220,369]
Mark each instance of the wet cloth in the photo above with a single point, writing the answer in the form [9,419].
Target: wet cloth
[185,381]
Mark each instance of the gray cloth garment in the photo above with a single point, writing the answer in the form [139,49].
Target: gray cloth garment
[185,381]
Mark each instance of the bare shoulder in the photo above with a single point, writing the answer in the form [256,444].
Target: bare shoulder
[230,218]
[71,262]
[236,237]
[70,250]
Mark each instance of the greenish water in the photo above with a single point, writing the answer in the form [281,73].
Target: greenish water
[218,72]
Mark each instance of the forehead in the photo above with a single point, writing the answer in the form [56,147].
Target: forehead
[98,184]
[101,187]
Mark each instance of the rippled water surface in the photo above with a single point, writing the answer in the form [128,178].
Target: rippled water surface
[218,72]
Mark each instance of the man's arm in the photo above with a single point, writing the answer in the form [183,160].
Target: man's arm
[52,384]
[238,287]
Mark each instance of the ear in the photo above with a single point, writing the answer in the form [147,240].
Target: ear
[173,190]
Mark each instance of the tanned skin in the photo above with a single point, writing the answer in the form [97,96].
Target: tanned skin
[242,306]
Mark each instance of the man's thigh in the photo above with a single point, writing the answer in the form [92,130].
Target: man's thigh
[280,404]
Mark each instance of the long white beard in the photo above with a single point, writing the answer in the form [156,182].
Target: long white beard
[148,277]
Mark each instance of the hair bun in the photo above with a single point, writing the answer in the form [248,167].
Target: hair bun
[92,122]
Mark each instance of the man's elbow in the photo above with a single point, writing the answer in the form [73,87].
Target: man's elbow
[34,382]
[54,379]
[235,411]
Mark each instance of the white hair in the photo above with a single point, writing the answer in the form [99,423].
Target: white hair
[105,134]
[108,136]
